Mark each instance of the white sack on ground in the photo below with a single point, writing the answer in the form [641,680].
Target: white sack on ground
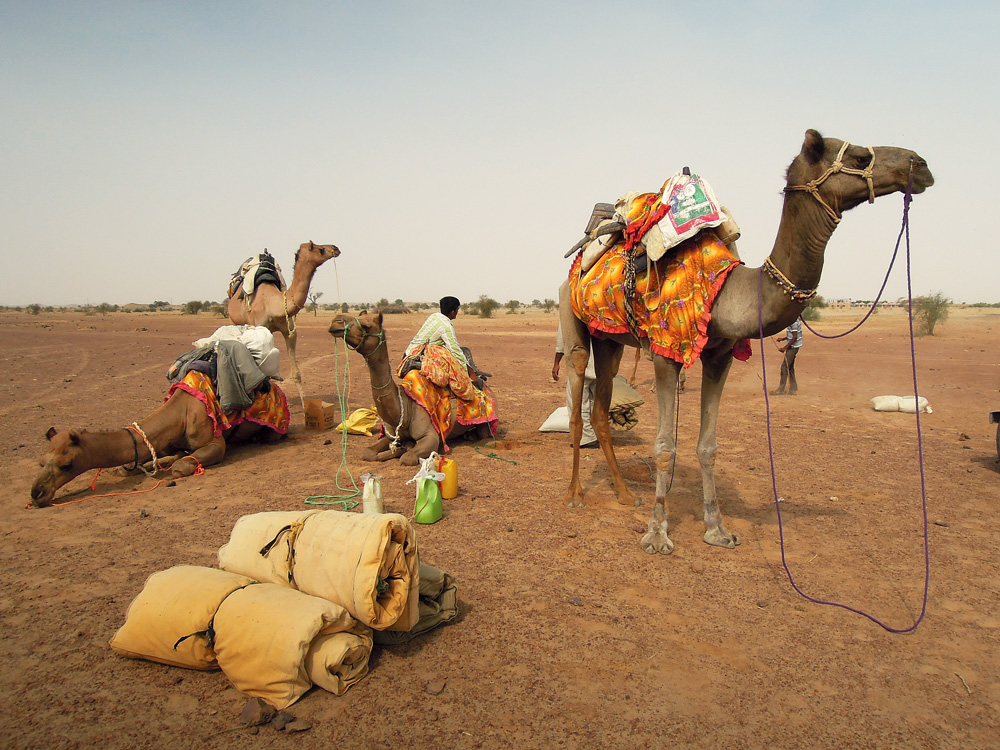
[622,412]
[438,605]
[170,620]
[365,563]
[273,642]
[907,404]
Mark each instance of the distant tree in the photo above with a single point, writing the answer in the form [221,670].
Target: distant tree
[485,306]
[512,305]
[343,307]
[536,303]
[220,310]
[931,310]
[159,303]
[548,305]
[810,313]
[398,301]
[383,302]
[313,297]
[193,307]
[34,309]
[104,308]
[818,301]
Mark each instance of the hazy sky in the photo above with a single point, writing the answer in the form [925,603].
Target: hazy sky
[149,148]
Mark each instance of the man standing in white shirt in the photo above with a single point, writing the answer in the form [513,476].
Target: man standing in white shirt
[793,342]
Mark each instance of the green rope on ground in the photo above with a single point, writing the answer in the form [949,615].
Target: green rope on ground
[342,387]
[492,454]
[344,503]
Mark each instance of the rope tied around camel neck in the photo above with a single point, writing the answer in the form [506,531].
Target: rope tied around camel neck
[904,229]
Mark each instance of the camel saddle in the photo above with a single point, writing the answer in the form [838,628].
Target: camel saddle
[256,270]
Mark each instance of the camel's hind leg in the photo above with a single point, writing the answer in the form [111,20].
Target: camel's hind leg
[665,451]
[715,369]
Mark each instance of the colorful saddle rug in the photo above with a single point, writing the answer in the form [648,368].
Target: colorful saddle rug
[437,401]
[268,409]
[673,297]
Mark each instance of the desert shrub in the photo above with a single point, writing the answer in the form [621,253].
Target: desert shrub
[193,307]
[485,306]
[929,311]
[512,305]
[343,307]
[34,309]
[548,305]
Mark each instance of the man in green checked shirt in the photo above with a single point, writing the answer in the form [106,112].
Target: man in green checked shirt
[438,330]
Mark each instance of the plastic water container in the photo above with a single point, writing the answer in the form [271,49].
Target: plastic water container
[371,495]
[448,485]
[428,508]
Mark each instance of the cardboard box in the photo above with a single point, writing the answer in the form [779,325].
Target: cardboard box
[319,414]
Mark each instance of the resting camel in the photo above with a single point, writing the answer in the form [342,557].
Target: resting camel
[276,310]
[827,178]
[179,424]
[365,335]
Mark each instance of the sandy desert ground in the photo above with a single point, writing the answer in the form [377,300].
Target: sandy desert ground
[569,635]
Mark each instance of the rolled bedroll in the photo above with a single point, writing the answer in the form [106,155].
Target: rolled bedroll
[275,643]
[171,621]
[366,563]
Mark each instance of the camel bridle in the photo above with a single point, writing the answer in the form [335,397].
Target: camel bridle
[838,166]
[365,335]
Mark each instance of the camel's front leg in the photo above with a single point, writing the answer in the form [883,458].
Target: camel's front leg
[665,453]
[578,357]
[427,443]
[296,373]
[372,452]
[607,356]
[207,455]
[715,370]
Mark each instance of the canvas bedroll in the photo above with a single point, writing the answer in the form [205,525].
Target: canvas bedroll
[367,564]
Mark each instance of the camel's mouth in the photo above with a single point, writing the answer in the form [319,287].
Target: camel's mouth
[41,496]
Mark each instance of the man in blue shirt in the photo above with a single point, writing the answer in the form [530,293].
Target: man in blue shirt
[790,348]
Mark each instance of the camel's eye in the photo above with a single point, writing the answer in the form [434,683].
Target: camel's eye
[66,467]
[863,161]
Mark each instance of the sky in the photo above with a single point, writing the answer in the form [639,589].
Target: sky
[457,148]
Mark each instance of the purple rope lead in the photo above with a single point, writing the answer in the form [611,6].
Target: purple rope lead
[907,198]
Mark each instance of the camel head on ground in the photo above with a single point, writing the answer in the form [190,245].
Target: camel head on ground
[62,463]
[313,255]
[842,175]
[363,332]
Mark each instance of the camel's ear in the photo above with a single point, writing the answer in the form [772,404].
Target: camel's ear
[380,319]
[51,433]
[813,146]
[74,437]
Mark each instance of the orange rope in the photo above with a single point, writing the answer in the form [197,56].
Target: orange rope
[199,470]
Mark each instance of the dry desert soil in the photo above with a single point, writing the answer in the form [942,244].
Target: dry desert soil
[569,635]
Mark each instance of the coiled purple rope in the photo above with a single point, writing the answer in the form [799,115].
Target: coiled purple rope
[905,228]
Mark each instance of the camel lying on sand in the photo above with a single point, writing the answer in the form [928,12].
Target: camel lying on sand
[274,309]
[179,424]
[365,335]
[828,177]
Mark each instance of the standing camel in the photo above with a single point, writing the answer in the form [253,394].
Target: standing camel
[274,309]
[399,413]
[827,178]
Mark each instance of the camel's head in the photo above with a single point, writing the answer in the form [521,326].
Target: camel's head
[61,464]
[845,175]
[363,333]
[315,255]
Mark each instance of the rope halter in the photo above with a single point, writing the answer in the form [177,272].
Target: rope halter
[365,334]
[838,166]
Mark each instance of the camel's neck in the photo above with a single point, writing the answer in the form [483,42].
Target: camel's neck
[297,293]
[385,392]
[103,450]
[798,250]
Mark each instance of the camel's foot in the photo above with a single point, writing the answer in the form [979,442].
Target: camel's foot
[656,541]
[369,455]
[410,458]
[717,536]
[269,437]
[184,467]
[625,496]
[574,498]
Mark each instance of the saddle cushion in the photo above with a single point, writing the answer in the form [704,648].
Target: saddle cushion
[673,298]
[268,409]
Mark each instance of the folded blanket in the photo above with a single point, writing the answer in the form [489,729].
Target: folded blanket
[268,409]
[365,563]
[438,605]
[274,643]
[171,620]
